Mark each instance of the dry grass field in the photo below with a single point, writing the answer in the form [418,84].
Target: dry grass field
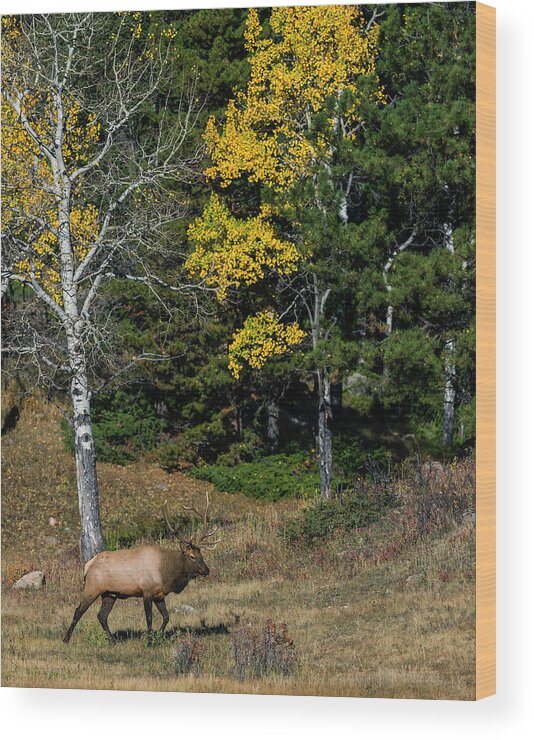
[370,612]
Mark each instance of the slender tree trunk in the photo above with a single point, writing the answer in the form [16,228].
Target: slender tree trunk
[449,366]
[337,396]
[4,285]
[325,438]
[273,410]
[389,319]
[91,538]
[389,324]
[449,394]
[236,416]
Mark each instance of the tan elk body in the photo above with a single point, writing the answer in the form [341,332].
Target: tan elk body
[148,571]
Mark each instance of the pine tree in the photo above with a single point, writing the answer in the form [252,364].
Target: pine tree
[312,74]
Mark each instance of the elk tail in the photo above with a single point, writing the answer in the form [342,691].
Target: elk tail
[87,566]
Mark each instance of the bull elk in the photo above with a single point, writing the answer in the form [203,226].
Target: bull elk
[147,571]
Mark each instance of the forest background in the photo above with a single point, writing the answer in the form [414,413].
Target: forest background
[209,377]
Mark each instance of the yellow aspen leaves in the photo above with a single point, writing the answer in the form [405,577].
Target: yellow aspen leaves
[28,188]
[28,202]
[307,60]
[230,252]
[262,336]
[313,53]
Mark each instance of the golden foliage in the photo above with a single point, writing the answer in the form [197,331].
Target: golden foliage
[29,206]
[262,336]
[301,65]
[230,252]
[314,53]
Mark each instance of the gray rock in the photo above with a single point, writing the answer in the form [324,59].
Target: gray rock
[469,517]
[414,579]
[31,581]
[355,384]
[184,609]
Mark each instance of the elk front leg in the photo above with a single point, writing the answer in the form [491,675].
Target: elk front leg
[162,608]
[147,603]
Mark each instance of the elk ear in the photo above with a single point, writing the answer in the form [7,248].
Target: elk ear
[184,546]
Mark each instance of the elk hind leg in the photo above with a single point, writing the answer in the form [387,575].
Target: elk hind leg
[80,610]
[162,608]
[147,603]
[107,605]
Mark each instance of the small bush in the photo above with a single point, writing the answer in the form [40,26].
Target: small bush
[178,454]
[351,457]
[188,656]
[248,449]
[154,639]
[260,652]
[357,508]
[124,427]
[194,446]
[272,478]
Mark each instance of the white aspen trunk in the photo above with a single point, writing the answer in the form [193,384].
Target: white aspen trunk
[389,319]
[390,309]
[388,331]
[91,537]
[273,411]
[325,438]
[236,417]
[4,286]
[343,210]
[449,394]
[325,442]
[386,270]
[448,420]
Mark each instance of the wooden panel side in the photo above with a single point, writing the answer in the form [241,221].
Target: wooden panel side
[485,350]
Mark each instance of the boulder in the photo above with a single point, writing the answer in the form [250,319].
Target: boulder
[469,517]
[31,581]
[184,609]
[356,384]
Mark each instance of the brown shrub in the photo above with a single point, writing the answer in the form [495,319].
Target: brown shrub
[435,496]
[260,652]
[15,570]
[188,656]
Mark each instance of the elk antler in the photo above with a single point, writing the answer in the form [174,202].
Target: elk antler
[167,519]
[206,533]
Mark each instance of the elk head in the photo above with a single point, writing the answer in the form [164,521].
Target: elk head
[191,548]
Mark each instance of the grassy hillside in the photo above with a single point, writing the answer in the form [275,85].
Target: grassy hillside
[384,610]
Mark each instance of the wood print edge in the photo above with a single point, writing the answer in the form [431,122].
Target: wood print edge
[485,351]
